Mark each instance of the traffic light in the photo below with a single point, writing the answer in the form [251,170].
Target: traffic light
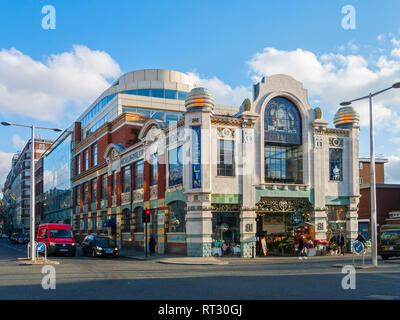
[146,216]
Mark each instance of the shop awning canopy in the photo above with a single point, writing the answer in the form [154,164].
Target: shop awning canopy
[305,224]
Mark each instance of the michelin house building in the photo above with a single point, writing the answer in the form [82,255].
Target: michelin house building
[212,176]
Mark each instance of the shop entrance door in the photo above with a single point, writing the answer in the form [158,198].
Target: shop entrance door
[226,232]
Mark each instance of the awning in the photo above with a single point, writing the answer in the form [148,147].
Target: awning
[110,223]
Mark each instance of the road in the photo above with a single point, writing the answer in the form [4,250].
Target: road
[122,278]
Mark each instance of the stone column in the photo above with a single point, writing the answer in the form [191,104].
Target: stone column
[161,231]
[318,217]
[248,229]
[352,221]
[199,225]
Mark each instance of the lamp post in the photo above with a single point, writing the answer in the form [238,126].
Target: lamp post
[32,188]
[374,237]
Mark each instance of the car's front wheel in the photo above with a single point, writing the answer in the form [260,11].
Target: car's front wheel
[94,254]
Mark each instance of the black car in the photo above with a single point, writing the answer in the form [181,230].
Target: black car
[17,238]
[98,246]
[27,237]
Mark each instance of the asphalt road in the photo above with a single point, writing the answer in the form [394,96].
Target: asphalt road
[122,278]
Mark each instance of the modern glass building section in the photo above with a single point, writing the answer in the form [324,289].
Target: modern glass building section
[57,182]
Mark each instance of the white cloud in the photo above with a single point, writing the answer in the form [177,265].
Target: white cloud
[380,37]
[5,166]
[18,142]
[43,89]
[222,92]
[392,170]
[395,53]
[395,42]
[332,78]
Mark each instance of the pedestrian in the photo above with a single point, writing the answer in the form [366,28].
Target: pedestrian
[302,248]
[361,238]
[341,242]
[152,245]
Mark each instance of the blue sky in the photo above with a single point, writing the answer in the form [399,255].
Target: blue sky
[49,76]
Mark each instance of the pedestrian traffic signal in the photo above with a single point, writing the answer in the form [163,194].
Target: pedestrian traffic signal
[146,216]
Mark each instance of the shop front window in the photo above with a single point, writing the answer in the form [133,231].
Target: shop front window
[226,164]
[282,142]
[226,233]
[177,216]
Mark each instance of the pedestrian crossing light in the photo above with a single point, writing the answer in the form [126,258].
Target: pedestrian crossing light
[146,216]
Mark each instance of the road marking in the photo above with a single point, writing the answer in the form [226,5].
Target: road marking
[381,297]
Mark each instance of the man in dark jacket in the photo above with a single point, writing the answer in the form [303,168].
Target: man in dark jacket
[301,247]
[341,242]
[152,245]
[361,238]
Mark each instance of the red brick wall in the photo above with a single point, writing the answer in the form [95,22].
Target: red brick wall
[379,173]
[387,200]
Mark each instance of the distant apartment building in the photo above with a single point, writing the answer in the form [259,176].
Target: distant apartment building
[365,169]
[17,186]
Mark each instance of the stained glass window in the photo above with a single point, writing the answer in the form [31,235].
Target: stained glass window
[282,122]
[336,164]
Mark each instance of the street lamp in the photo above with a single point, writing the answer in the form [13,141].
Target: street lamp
[372,172]
[32,189]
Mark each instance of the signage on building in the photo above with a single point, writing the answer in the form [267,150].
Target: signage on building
[196,157]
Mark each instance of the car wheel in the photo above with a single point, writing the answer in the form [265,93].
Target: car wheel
[94,254]
[115,256]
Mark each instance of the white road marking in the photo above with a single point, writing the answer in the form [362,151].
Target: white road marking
[382,297]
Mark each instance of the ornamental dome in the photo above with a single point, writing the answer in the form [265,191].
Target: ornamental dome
[199,99]
[346,117]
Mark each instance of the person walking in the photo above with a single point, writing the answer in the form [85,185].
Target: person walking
[341,242]
[361,238]
[302,248]
[152,245]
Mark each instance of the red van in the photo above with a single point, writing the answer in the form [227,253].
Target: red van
[58,238]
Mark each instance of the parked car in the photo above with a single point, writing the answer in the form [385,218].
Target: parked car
[389,243]
[27,237]
[17,238]
[58,238]
[96,246]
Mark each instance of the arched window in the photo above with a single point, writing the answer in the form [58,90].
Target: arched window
[282,142]
[138,219]
[177,216]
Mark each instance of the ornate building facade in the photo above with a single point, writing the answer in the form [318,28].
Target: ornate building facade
[218,177]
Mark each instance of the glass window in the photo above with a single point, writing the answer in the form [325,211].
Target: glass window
[282,142]
[86,159]
[85,193]
[127,220]
[177,216]
[41,146]
[283,164]
[361,165]
[78,195]
[134,91]
[336,164]
[144,92]
[282,122]
[160,115]
[171,118]
[94,190]
[94,223]
[157,93]
[94,154]
[154,170]
[170,94]
[126,179]
[104,187]
[226,164]
[175,166]
[114,183]
[139,174]
[78,164]
[138,219]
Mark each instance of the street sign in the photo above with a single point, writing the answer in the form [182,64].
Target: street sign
[358,247]
[40,247]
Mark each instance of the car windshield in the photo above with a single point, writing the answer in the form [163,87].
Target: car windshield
[391,235]
[104,242]
[60,233]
